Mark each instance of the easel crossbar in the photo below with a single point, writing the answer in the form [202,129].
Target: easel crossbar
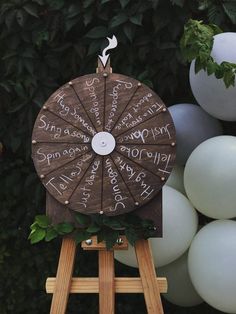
[91,285]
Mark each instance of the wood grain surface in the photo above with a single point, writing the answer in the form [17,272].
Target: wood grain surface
[106,282]
[148,277]
[63,277]
[91,285]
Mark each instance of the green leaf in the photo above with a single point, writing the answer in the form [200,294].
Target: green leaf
[229,78]
[73,11]
[110,237]
[6,86]
[29,65]
[21,17]
[31,8]
[93,228]
[148,83]
[9,55]
[70,23]
[51,234]
[211,68]
[41,2]
[81,235]
[129,30]
[87,3]
[98,219]
[83,220]
[37,236]
[216,29]
[112,223]
[87,17]
[42,220]
[198,65]
[15,109]
[219,73]
[94,46]
[56,4]
[180,3]
[124,3]
[230,10]
[33,230]
[10,18]
[34,226]
[155,3]
[101,235]
[131,235]
[118,20]
[64,228]
[147,223]
[136,19]
[203,5]
[97,32]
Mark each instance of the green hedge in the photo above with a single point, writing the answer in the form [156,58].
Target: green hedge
[45,43]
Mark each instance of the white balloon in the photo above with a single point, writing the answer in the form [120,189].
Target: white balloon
[210,92]
[193,126]
[180,288]
[211,261]
[176,179]
[210,177]
[180,223]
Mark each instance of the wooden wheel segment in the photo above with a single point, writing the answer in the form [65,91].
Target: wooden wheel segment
[103,143]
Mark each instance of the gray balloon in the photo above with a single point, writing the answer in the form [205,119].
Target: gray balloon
[193,126]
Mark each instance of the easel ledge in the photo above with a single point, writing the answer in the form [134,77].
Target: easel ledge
[91,285]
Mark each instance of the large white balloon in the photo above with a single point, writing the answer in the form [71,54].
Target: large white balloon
[210,177]
[180,223]
[211,261]
[193,126]
[210,92]
[180,288]
[176,179]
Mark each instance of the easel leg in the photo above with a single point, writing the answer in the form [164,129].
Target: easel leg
[63,278]
[148,277]
[106,282]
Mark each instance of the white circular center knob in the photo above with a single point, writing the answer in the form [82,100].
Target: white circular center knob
[103,143]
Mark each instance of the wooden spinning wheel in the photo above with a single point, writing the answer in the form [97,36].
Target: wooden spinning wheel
[103,143]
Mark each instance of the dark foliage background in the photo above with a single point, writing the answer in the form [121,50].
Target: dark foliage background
[45,43]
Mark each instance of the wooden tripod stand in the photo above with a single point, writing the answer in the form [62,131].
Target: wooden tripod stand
[106,284]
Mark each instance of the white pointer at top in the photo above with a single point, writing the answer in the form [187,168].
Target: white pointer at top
[112,44]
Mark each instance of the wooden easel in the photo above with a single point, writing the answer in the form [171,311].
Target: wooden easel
[106,284]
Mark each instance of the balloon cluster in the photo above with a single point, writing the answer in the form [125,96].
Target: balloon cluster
[199,260]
